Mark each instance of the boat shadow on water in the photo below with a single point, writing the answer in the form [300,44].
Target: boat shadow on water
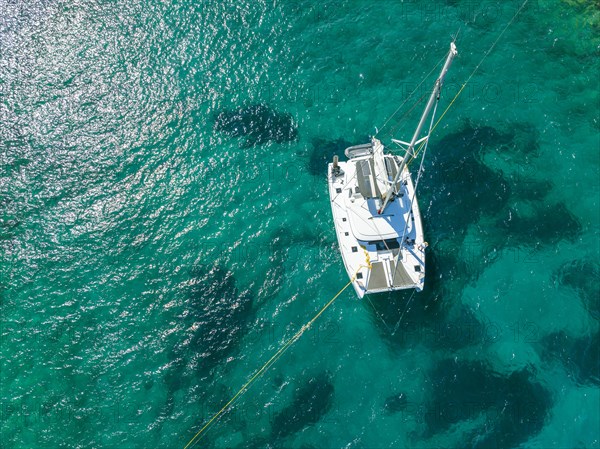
[434,317]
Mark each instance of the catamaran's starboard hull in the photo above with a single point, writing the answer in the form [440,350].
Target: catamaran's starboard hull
[375,264]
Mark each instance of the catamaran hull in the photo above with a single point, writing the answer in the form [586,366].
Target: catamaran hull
[373,269]
[375,210]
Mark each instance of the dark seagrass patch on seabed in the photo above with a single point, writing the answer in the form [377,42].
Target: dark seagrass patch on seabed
[322,153]
[395,403]
[460,186]
[215,315]
[583,276]
[445,325]
[257,123]
[514,408]
[546,224]
[579,355]
[310,403]
[463,191]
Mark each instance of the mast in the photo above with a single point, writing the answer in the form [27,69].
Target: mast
[432,99]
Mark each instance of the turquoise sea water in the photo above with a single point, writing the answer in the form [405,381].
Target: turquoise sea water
[165,225]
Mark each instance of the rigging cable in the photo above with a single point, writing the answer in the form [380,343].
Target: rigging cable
[408,98]
[424,145]
[465,83]
[480,62]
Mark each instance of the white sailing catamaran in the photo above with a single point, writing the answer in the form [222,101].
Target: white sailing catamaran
[375,210]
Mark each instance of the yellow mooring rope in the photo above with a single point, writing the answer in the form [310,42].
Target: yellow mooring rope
[271,361]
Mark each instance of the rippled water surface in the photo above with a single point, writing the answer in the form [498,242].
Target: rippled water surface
[165,225]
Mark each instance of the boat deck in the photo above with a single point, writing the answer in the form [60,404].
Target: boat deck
[369,242]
